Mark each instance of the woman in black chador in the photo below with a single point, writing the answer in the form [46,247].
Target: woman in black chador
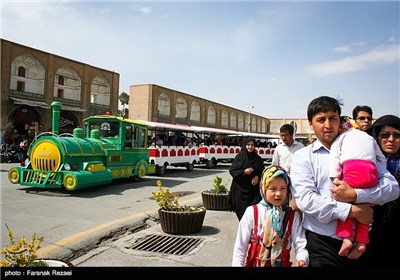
[246,171]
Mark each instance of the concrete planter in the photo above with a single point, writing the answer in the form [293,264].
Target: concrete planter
[213,201]
[175,222]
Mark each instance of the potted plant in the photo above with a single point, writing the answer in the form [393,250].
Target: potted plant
[175,218]
[22,253]
[217,197]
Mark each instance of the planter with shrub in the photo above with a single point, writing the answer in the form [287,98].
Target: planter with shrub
[217,197]
[175,218]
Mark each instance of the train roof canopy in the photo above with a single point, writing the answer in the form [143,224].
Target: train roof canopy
[109,117]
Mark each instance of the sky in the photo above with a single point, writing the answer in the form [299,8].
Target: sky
[274,55]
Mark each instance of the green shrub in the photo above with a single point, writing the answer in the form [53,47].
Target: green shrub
[168,201]
[21,253]
[219,188]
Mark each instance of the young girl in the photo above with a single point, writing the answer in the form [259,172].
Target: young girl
[274,236]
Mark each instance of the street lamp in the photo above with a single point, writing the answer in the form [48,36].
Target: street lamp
[248,127]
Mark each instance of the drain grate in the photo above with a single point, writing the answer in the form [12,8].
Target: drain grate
[167,244]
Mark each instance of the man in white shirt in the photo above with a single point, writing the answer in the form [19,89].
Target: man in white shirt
[283,153]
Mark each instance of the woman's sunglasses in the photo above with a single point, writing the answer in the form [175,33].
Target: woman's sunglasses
[386,135]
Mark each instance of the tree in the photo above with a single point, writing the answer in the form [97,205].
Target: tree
[124,99]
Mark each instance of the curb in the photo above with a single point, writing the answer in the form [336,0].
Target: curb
[82,242]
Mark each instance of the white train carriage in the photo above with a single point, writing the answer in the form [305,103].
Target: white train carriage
[163,156]
[183,145]
[168,146]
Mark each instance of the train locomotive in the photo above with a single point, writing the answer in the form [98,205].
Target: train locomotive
[115,147]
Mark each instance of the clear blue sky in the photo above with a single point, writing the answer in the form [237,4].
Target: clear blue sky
[274,55]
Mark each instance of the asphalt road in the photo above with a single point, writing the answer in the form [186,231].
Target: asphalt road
[80,218]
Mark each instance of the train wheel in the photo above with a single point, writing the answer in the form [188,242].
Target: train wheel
[70,182]
[142,170]
[13,176]
[215,161]
[209,163]
[190,166]
[160,170]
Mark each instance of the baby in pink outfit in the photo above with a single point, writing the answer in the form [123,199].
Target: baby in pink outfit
[353,158]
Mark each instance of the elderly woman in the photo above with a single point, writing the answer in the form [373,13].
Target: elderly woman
[386,226]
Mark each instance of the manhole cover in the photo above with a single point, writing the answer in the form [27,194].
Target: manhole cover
[167,244]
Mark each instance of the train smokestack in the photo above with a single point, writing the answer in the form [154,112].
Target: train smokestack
[55,125]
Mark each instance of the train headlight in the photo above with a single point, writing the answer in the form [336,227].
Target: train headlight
[67,167]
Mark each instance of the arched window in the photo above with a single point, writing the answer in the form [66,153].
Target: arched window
[263,127]
[195,111]
[253,124]
[181,108]
[225,118]
[21,71]
[67,84]
[164,105]
[211,115]
[61,80]
[100,91]
[233,123]
[241,123]
[27,73]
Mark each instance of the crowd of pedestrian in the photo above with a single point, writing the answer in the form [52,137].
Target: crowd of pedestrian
[328,189]
[14,148]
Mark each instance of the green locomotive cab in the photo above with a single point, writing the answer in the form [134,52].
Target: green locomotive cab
[130,158]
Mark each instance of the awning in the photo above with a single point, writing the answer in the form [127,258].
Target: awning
[41,104]
[32,103]
[72,108]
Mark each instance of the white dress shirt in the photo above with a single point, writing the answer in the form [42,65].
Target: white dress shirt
[283,154]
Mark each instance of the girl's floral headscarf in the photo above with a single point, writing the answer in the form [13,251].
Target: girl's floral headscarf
[270,173]
[270,252]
